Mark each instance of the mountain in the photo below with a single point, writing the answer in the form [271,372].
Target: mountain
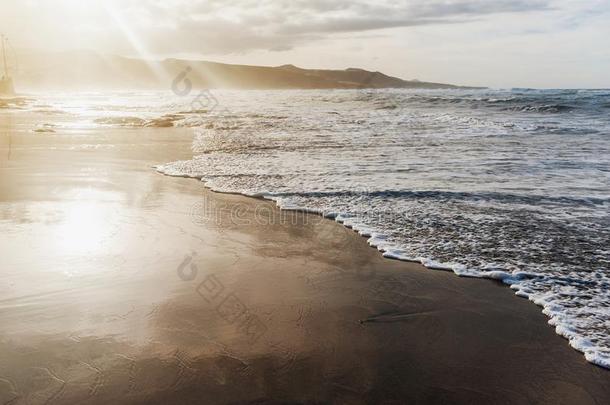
[87,70]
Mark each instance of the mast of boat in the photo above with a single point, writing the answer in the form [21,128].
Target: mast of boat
[3,38]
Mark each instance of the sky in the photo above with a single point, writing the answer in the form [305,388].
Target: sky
[496,43]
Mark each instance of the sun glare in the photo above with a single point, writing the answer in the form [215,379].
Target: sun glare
[83,230]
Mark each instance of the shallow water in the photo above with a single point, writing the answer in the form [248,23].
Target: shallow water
[512,185]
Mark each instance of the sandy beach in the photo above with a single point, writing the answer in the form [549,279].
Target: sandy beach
[121,285]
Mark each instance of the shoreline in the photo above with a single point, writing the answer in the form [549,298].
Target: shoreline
[502,277]
[158,302]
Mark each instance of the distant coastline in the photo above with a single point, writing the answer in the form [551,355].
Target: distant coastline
[87,70]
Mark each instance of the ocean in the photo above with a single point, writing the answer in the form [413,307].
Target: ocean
[512,185]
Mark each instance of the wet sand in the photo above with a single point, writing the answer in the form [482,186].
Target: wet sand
[120,285]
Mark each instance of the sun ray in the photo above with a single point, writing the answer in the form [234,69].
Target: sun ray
[135,42]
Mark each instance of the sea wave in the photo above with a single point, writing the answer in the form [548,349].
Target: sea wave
[510,185]
[483,183]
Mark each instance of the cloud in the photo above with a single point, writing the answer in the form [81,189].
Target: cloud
[172,27]
[246,25]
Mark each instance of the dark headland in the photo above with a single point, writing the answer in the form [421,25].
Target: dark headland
[86,70]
